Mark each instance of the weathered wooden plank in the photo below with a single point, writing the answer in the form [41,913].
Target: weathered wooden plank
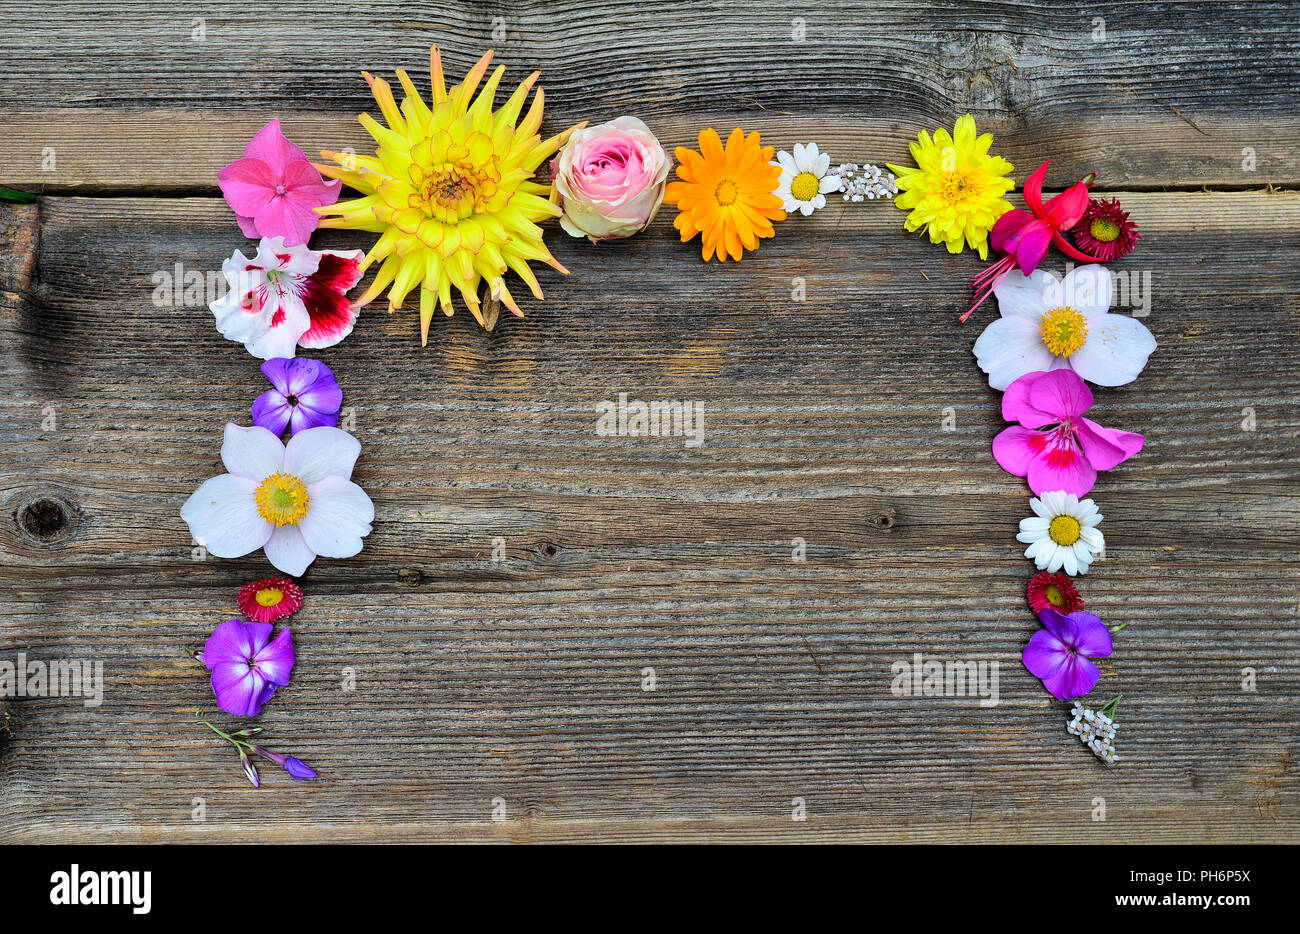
[523,680]
[1148,94]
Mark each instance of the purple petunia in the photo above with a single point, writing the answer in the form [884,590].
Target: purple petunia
[1059,653]
[246,665]
[305,395]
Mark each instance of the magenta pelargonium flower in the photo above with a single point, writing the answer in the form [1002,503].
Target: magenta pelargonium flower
[1060,653]
[1055,446]
[247,665]
[274,187]
[304,394]
[287,297]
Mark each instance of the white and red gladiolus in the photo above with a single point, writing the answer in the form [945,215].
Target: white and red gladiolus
[295,501]
[287,297]
[274,188]
[610,179]
[1055,446]
[1061,652]
[1024,236]
[1053,324]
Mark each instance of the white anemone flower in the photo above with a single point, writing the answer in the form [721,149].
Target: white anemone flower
[1062,533]
[296,501]
[804,183]
[1052,324]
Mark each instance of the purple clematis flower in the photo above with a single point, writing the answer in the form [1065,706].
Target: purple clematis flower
[1059,653]
[305,396]
[295,767]
[247,667]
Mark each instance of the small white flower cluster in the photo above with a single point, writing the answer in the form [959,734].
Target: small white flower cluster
[1095,730]
[858,182]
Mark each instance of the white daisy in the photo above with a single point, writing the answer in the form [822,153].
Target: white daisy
[1052,324]
[804,179]
[1062,533]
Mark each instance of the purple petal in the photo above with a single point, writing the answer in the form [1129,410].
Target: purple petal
[1073,680]
[278,371]
[238,689]
[304,417]
[321,392]
[235,641]
[275,662]
[272,411]
[299,769]
[1091,635]
[250,770]
[1044,654]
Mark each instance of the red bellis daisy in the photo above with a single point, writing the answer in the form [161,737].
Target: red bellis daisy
[269,599]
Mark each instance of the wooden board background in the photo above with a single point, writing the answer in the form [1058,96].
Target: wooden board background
[521,680]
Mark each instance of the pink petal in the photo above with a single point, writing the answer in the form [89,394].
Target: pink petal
[287,218]
[1061,393]
[271,146]
[1016,406]
[1033,190]
[248,184]
[1006,226]
[248,226]
[1064,211]
[1031,246]
[1060,467]
[303,182]
[1106,447]
[1015,448]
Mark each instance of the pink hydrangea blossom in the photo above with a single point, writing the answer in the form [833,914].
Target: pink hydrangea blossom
[274,187]
[1054,446]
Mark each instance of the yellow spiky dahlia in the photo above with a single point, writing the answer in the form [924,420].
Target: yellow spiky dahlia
[449,190]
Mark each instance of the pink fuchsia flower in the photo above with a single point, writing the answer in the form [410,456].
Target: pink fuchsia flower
[304,394]
[1105,230]
[296,501]
[610,179]
[274,187]
[1024,236]
[1061,652]
[1054,445]
[1052,324]
[286,297]
[247,666]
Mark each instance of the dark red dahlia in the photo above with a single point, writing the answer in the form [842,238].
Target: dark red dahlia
[269,599]
[1105,230]
[1054,591]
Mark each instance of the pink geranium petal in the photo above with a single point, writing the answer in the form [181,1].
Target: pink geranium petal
[1017,407]
[275,149]
[1060,465]
[287,218]
[1106,447]
[248,184]
[1061,393]
[1015,448]
[303,182]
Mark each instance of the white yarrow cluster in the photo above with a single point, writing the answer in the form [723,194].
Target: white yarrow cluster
[864,182]
[1095,730]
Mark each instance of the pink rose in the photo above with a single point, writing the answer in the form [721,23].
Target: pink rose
[610,179]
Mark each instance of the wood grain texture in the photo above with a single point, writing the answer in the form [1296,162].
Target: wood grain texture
[522,679]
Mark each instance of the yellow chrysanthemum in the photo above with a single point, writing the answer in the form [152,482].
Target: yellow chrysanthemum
[449,191]
[955,191]
[726,195]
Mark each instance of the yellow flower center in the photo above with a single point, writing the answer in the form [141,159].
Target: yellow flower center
[452,191]
[281,500]
[954,187]
[1104,230]
[1053,594]
[1064,530]
[805,186]
[272,597]
[726,192]
[1064,330]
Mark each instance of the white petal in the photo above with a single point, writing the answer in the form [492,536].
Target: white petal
[1039,507]
[787,162]
[253,453]
[1009,348]
[322,452]
[281,340]
[288,552]
[222,516]
[233,322]
[1069,561]
[1095,540]
[1035,524]
[1087,289]
[1115,352]
[1054,500]
[1026,296]
[1036,547]
[339,514]
[822,165]
[806,208]
[830,183]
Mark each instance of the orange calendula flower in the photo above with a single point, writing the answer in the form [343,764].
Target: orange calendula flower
[728,196]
